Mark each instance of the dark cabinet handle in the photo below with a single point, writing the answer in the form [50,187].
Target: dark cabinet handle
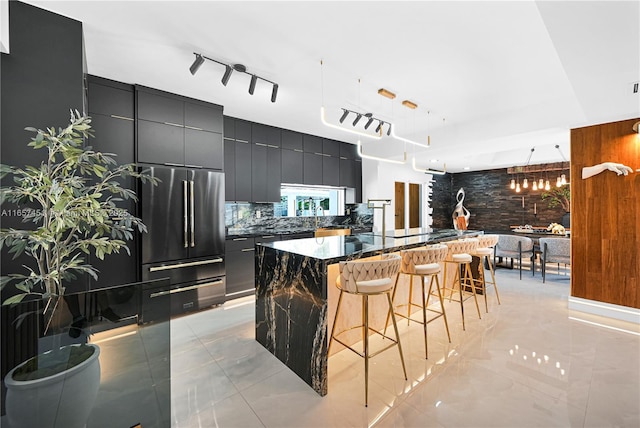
[185,207]
[191,205]
[115,116]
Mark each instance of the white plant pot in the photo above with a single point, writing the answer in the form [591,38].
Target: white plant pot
[64,400]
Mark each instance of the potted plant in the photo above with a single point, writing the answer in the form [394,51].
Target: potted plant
[72,213]
[560,196]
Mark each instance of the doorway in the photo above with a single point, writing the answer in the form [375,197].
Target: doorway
[401,206]
[414,205]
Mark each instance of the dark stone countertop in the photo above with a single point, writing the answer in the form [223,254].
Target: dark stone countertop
[332,249]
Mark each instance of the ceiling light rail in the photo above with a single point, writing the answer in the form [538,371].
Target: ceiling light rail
[428,170]
[229,69]
[387,160]
[370,119]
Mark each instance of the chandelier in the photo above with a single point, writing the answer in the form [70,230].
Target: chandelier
[536,177]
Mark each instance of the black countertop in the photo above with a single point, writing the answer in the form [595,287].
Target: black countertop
[331,249]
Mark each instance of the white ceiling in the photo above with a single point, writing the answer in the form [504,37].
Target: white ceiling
[492,79]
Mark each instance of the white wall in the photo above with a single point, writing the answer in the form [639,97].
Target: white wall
[378,182]
[4,26]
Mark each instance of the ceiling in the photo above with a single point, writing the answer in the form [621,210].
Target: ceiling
[491,79]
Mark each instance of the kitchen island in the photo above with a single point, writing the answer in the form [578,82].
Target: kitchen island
[294,287]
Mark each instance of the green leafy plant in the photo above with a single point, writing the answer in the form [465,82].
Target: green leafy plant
[68,205]
[559,196]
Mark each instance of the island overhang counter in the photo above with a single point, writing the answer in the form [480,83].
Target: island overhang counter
[293,295]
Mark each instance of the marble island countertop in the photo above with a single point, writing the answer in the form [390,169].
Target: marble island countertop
[334,248]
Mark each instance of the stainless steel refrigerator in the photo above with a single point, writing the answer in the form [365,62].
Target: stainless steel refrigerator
[184,215]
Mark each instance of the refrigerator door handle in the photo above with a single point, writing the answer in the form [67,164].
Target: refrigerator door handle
[191,202]
[185,219]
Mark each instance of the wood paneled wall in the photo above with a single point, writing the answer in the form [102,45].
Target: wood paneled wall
[605,215]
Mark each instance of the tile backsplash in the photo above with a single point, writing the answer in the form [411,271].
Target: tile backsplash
[253,216]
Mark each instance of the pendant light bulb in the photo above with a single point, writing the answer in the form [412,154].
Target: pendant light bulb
[513,183]
[518,188]
[541,184]
[558,182]
[535,185]
[547,186]
[563,179]
[525,183]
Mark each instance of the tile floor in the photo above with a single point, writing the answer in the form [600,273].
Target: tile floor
[528,362]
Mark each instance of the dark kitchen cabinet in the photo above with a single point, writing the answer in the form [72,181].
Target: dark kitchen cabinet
[111,107]
[331,147]
[258,173]
[347,173]
[160,143]
[348,151]
[176,131]
[311,144]
[243,171]
[330,171]
[229,126]
[203,149]
[291,166]
[243,131]
[240,267]
[312,168]
[203,117]
[274,174]
[291,140]
[229,170]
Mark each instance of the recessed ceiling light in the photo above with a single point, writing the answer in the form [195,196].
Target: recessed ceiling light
[434,161]
[467,168]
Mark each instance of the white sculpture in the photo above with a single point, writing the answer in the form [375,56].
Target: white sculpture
[618,168]
[460,211]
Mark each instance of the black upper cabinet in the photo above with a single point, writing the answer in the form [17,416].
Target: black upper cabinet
[203,149]
[110,98]
[291,166]
[229,125]
[243,130]
[203,117]
[348,151]
[331,147]
[311,144]
[259,133]
[312,168]
[113,135]
[291,140]
[243,171]
[274,174]
[160,108]
[160,143]
[258,173]
[174,130]
[229,169]
[330,171]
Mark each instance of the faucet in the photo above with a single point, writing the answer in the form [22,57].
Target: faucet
[385,202]
[319,207]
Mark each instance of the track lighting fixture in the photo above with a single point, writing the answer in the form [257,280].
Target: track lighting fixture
[344,115]
[389,130]
[196,64]
[357,119]
[227,75]
[379,126]
[369,122]
[229,69]
[252,84]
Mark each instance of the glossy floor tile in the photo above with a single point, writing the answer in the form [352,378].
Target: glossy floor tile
[528,362]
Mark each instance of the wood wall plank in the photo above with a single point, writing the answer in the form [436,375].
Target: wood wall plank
[605,215]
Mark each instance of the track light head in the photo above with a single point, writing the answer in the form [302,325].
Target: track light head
[227,74]
[252,84]
[196,64]
[369,122]
[379,127]
[344,115]
[389,130]
[274,92]
[357,119]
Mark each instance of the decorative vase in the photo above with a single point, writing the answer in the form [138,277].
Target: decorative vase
[63,400]
[566,220]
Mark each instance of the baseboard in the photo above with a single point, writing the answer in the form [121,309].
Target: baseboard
[609,310]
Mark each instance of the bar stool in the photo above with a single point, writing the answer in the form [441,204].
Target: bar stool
[484,252]
[423,262]
[459,255]
[368,278]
